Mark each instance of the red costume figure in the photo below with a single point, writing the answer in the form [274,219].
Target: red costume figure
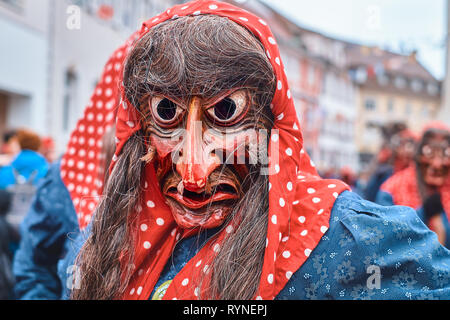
[396,154]
[425,185]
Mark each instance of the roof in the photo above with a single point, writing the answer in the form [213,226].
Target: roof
[392,63]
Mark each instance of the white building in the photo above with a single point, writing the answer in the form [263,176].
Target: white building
[23,64]
[53,53]
[337,139]
[445,110]
[337,104]
[323,92]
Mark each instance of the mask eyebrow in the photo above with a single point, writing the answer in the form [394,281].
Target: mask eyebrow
[212,101]
[179,102]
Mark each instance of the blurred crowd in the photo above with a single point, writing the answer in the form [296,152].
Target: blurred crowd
[35,220]
[397,152]
[24,160]
[410,170]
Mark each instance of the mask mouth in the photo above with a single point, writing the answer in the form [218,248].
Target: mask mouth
[438,173]
[223,185]
[217,192]
[434,176]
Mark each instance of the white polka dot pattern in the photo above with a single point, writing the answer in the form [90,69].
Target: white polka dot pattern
[88,134]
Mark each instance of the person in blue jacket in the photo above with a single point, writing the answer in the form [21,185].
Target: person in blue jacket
[48,232]
[27,165]
[50,222]
[7,236]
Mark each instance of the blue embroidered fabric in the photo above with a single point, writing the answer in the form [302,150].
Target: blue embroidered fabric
[385,199]
[365,243]
[369,252]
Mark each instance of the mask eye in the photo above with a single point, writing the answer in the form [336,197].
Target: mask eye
[229,110]
[165,112]
[426,151]
[447,152]
[225,109]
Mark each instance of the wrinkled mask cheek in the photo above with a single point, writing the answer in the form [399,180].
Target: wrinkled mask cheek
[164,150]
[238,149]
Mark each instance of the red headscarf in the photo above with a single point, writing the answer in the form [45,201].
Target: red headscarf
[300,202]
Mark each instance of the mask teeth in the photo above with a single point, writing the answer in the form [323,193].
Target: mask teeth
[180,187]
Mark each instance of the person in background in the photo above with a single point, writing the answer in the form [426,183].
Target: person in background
[7,235]
[48,227]
[395,155]
[361,182]
[329,173]
[425,184]
[10,147]
[28,164]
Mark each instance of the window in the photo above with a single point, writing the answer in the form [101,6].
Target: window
[408,108]
[400,82]
[70,88]
[361,75]
[370,104]
[390,105]
[416,85]
[432,89]
[127,14]
[16,5]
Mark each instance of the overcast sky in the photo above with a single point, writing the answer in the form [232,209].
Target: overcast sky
[391,24]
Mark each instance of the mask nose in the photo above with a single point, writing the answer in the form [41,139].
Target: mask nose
[437,161]
[196,162]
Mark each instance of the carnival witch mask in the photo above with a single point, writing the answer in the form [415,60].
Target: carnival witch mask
[206,118]
[434,157]
[403,145]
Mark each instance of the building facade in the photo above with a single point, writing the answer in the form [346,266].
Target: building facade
[23,72]
[336,140]
[323,93]
[53,53]
[391,88]
[445,111]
